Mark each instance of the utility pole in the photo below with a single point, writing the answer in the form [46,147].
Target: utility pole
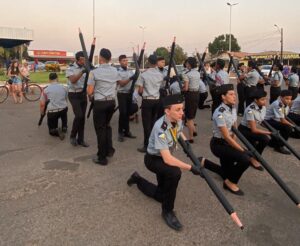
[230,6]
[280,30]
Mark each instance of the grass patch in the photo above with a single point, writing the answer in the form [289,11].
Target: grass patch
[41,77]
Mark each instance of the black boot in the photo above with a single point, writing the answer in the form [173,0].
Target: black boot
[171,220]
[133,179]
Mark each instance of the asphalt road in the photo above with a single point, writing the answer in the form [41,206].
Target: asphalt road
[52,194]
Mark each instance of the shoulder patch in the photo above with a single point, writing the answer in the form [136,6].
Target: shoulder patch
[164,126]
[250,111]
[222,109]
[162,135]
[252,106]
[220,116]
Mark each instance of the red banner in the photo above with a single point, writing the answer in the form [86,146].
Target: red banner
[49,53]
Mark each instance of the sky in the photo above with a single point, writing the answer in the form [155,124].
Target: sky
[195,23]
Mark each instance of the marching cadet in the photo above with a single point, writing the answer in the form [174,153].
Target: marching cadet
[294,114]
[160,160]
[57,106]
[293,82]
[191,88]
[221,78]
[241,89]
[149,83]
[76,75]
[250,80]
[161,63]
[276,82]
[254,115]
[102,86]
[276,117]
[233,157]
[124,98]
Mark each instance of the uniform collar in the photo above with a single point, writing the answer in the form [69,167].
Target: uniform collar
[169,124]
[226,107]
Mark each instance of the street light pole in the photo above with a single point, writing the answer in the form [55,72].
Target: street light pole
[280,30]
[230,5]
[143,30]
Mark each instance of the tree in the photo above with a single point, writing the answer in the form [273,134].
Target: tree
[221,44]
[179,56]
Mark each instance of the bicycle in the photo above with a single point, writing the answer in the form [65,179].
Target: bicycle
[4,92]
[31,92]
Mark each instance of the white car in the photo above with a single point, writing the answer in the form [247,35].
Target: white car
[265,69]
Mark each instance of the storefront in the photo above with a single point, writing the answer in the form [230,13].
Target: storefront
[62,57]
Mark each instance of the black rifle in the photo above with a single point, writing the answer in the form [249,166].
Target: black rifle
[141,55]
[44,113]
[234,66]
[269,169]
[295,127]
[137,72]
[170,64]
[87,59]
[276,134]
[206,78]
[274,63]
[227,206]
[178,78]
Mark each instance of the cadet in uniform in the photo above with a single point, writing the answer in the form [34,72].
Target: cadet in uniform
[251,80]
[57,107]
[293,82]
[254,115]
[78,99]
[191,88]
[159,159]
[102,86]
[161,63]
[276,82]
[276,117]
[203,94]
[241,89]
[221,78]
[124,98]
[149,83]
[233,157]
[294,114]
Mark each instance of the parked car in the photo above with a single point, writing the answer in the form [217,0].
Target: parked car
[265,69]
[52,66]
[40,66]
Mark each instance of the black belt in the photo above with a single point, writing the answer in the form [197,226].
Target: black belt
[219,140]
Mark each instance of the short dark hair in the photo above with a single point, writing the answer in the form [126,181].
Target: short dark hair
[53,76]
[286,93]
[121,57]
[240,65]
[105,53]
[192,61]
[252,64]
[213,64]
[160,58]
[152,59]
[220,63]
[294,69]
[78,55]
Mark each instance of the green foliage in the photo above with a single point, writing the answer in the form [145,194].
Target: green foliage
[221,44]
[179,56]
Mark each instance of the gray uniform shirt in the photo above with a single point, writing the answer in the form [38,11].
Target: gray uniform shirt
[175,88]
[223,116]
[222,78]
[252,78]
[193,76]
[277,76]
[151,81]
[124,75]
[74,69]
[202,87]
[164,72]
[293,80]
[104,79]
[253,113]
[296,105]
[277,110]
[161,137]
[57,94]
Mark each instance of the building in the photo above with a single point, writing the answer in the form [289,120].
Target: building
[63,57]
